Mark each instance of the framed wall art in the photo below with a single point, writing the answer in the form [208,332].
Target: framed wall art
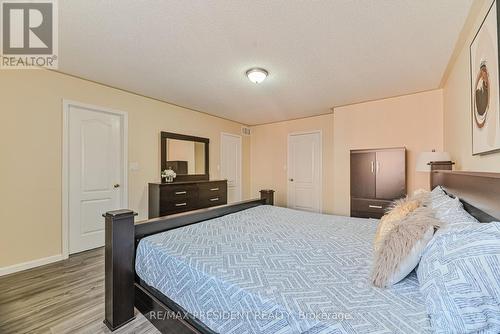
[485,96]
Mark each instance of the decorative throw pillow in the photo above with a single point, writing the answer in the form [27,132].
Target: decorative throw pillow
[459,276]
[398,211]
[438,197]
[452,212]
[400,250]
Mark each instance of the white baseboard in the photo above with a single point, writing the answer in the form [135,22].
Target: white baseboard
[30,264]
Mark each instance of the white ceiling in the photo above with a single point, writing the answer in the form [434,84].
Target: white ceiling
[320,54]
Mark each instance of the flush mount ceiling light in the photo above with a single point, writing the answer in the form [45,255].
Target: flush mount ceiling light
[257,75]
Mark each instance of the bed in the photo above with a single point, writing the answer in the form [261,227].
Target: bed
[280,268]
[255,268]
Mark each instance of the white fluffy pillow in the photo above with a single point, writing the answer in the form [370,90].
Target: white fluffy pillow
[398,211]
[401,249]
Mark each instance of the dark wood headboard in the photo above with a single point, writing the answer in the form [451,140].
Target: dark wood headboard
[479,192]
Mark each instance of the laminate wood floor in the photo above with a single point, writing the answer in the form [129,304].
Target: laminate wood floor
[63,297]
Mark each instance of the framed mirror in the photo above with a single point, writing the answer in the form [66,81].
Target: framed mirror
[186,155]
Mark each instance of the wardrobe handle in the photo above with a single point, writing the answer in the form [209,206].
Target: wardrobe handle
[372,166]
[180,204]
[377,168]
[180,192]
[214,199]
[375,206]
[214,189]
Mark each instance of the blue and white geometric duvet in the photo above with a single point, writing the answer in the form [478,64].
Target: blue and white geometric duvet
[459,277]
[276,270]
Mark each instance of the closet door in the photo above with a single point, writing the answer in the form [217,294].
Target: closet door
[363,174]
[390,169]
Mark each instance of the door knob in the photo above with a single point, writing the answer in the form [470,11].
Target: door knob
[291,180]
[116,186]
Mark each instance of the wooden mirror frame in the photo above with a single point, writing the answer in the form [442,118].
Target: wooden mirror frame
[187,177]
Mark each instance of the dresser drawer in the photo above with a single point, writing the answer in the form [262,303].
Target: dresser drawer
[177,198]
[175,192]
[176,206]
[368,208]
[210,187]
[212,190]
[213,201]
[167,199]
[212,193]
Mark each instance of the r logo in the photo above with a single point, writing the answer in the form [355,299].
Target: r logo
[27,28]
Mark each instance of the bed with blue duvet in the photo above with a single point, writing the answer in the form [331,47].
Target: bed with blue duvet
[275,270]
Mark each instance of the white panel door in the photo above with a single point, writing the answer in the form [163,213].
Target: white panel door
[95,171]
[230,165]
[304,171]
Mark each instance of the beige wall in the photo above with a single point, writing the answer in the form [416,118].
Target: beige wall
[31,145]
[457,103]
[413,121]
[269,156]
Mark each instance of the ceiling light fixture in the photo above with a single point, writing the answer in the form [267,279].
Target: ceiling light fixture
[257,75]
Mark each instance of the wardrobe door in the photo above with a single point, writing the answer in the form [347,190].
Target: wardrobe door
[363,174]
[390,169]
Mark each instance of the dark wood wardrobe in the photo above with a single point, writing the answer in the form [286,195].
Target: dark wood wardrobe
[378,177]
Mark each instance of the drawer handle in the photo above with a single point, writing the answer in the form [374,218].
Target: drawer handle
[214,189]
[180,204]
[180,192]
[214,199]
[375,206]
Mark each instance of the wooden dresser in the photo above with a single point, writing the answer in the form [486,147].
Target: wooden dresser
[378,177]
[170,198]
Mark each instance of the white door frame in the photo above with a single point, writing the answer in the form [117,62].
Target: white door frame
[241,157]
[320,165]
[65,162]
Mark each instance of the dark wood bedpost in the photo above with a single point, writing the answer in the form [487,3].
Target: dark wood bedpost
[268,196]
[119,268]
